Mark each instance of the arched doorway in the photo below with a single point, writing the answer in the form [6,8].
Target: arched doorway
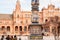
[25,28]
[16,28]
[3,30]
[20,28]
[8,28]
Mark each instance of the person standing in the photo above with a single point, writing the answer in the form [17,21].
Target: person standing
[19,38]
[12,38]
[15,38]
[2,38]
[8,37]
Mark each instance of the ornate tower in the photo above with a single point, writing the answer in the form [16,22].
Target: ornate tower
[35,10]
[17,5]
[17,13]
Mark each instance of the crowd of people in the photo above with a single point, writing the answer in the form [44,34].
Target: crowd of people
[9,37]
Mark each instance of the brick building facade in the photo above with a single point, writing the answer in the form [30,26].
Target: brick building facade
[19,22]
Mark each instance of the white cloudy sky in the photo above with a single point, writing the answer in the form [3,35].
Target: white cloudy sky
[7,6]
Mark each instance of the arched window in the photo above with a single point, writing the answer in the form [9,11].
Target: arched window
[25,28]
[16,28]
[8,28]
[20,28]
[3,27]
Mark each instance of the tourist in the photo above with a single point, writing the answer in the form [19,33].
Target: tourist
[8,37]
[15,38]
[19,38]
[2,38]
[11,38]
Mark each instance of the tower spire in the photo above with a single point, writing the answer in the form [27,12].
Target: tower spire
[17,5]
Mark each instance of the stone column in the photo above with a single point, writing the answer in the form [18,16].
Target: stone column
[22,28]
[50,30]
[27,29]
